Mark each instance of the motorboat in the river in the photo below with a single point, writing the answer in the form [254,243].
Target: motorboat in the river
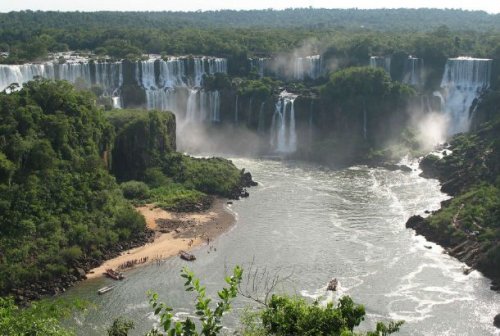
[105,289]
[332,285]
[186,256]
[114,274]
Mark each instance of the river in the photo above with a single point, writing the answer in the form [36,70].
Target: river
[314,223]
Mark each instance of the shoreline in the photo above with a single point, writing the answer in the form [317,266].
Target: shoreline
[173,232]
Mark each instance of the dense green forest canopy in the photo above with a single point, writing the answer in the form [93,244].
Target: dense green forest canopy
[375,19]
[353,35]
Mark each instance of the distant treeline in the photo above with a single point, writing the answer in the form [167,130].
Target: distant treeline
[374,19]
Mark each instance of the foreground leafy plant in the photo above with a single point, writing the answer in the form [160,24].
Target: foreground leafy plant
[211,319]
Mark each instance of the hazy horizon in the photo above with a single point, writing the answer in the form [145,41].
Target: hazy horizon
[196,5]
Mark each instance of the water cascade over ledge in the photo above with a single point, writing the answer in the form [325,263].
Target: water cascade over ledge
[464,80]
[381,62]
[413,72]
[107,75]
[283,132]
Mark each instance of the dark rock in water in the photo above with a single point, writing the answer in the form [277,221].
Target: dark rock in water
[405,168]
[332,285]
[428,247]
[467,271]
[427,212]
[496,321]
[247,180]
[495,286]
[414,221]
[229,202]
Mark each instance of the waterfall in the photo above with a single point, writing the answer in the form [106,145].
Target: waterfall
[259,64]
[191,109]
[381,62]
[464,80]
[413,71]
[117,102]
[283,132]
[108,75]
[260,126]
[214,106]
[292,140]
[307,67]
[170,84]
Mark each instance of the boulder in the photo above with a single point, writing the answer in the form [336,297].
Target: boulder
[80,273]
[414,221]
[496,321]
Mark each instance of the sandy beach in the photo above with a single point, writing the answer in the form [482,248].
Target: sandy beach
[173,232]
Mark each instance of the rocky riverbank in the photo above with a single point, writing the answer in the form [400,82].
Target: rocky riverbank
[37,290]
[468,224]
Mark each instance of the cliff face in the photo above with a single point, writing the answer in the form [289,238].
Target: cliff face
[142,139]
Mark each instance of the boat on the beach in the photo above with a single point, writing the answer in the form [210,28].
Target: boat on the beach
[105,289]
[186,256]
[114,274]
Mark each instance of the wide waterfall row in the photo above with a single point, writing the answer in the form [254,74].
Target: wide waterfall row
[414,71]
[464,80]
[175,85]
[307,67]
[108,75]
[381,62]
[283,132]
[156,74]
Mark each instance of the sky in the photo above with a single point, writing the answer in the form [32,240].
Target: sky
[491,6]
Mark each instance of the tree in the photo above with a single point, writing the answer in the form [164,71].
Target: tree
[211,319]
[120,327]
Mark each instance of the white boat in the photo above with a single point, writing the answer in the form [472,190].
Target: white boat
[105,289]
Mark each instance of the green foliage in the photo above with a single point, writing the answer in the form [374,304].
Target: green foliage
[364,82]
[471,175]
[214,176]
[120,327]
[135,190]
[210,318]
[294,316]
[58,203]
[258,88]
[176,196]
[41,318]
[142,140]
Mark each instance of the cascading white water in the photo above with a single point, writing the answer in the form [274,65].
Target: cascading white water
[283,132]
[107,75]
[166,82]
[413,71]
[381,62]
[260,126]
[259,64]
[464,80]
[307,67]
